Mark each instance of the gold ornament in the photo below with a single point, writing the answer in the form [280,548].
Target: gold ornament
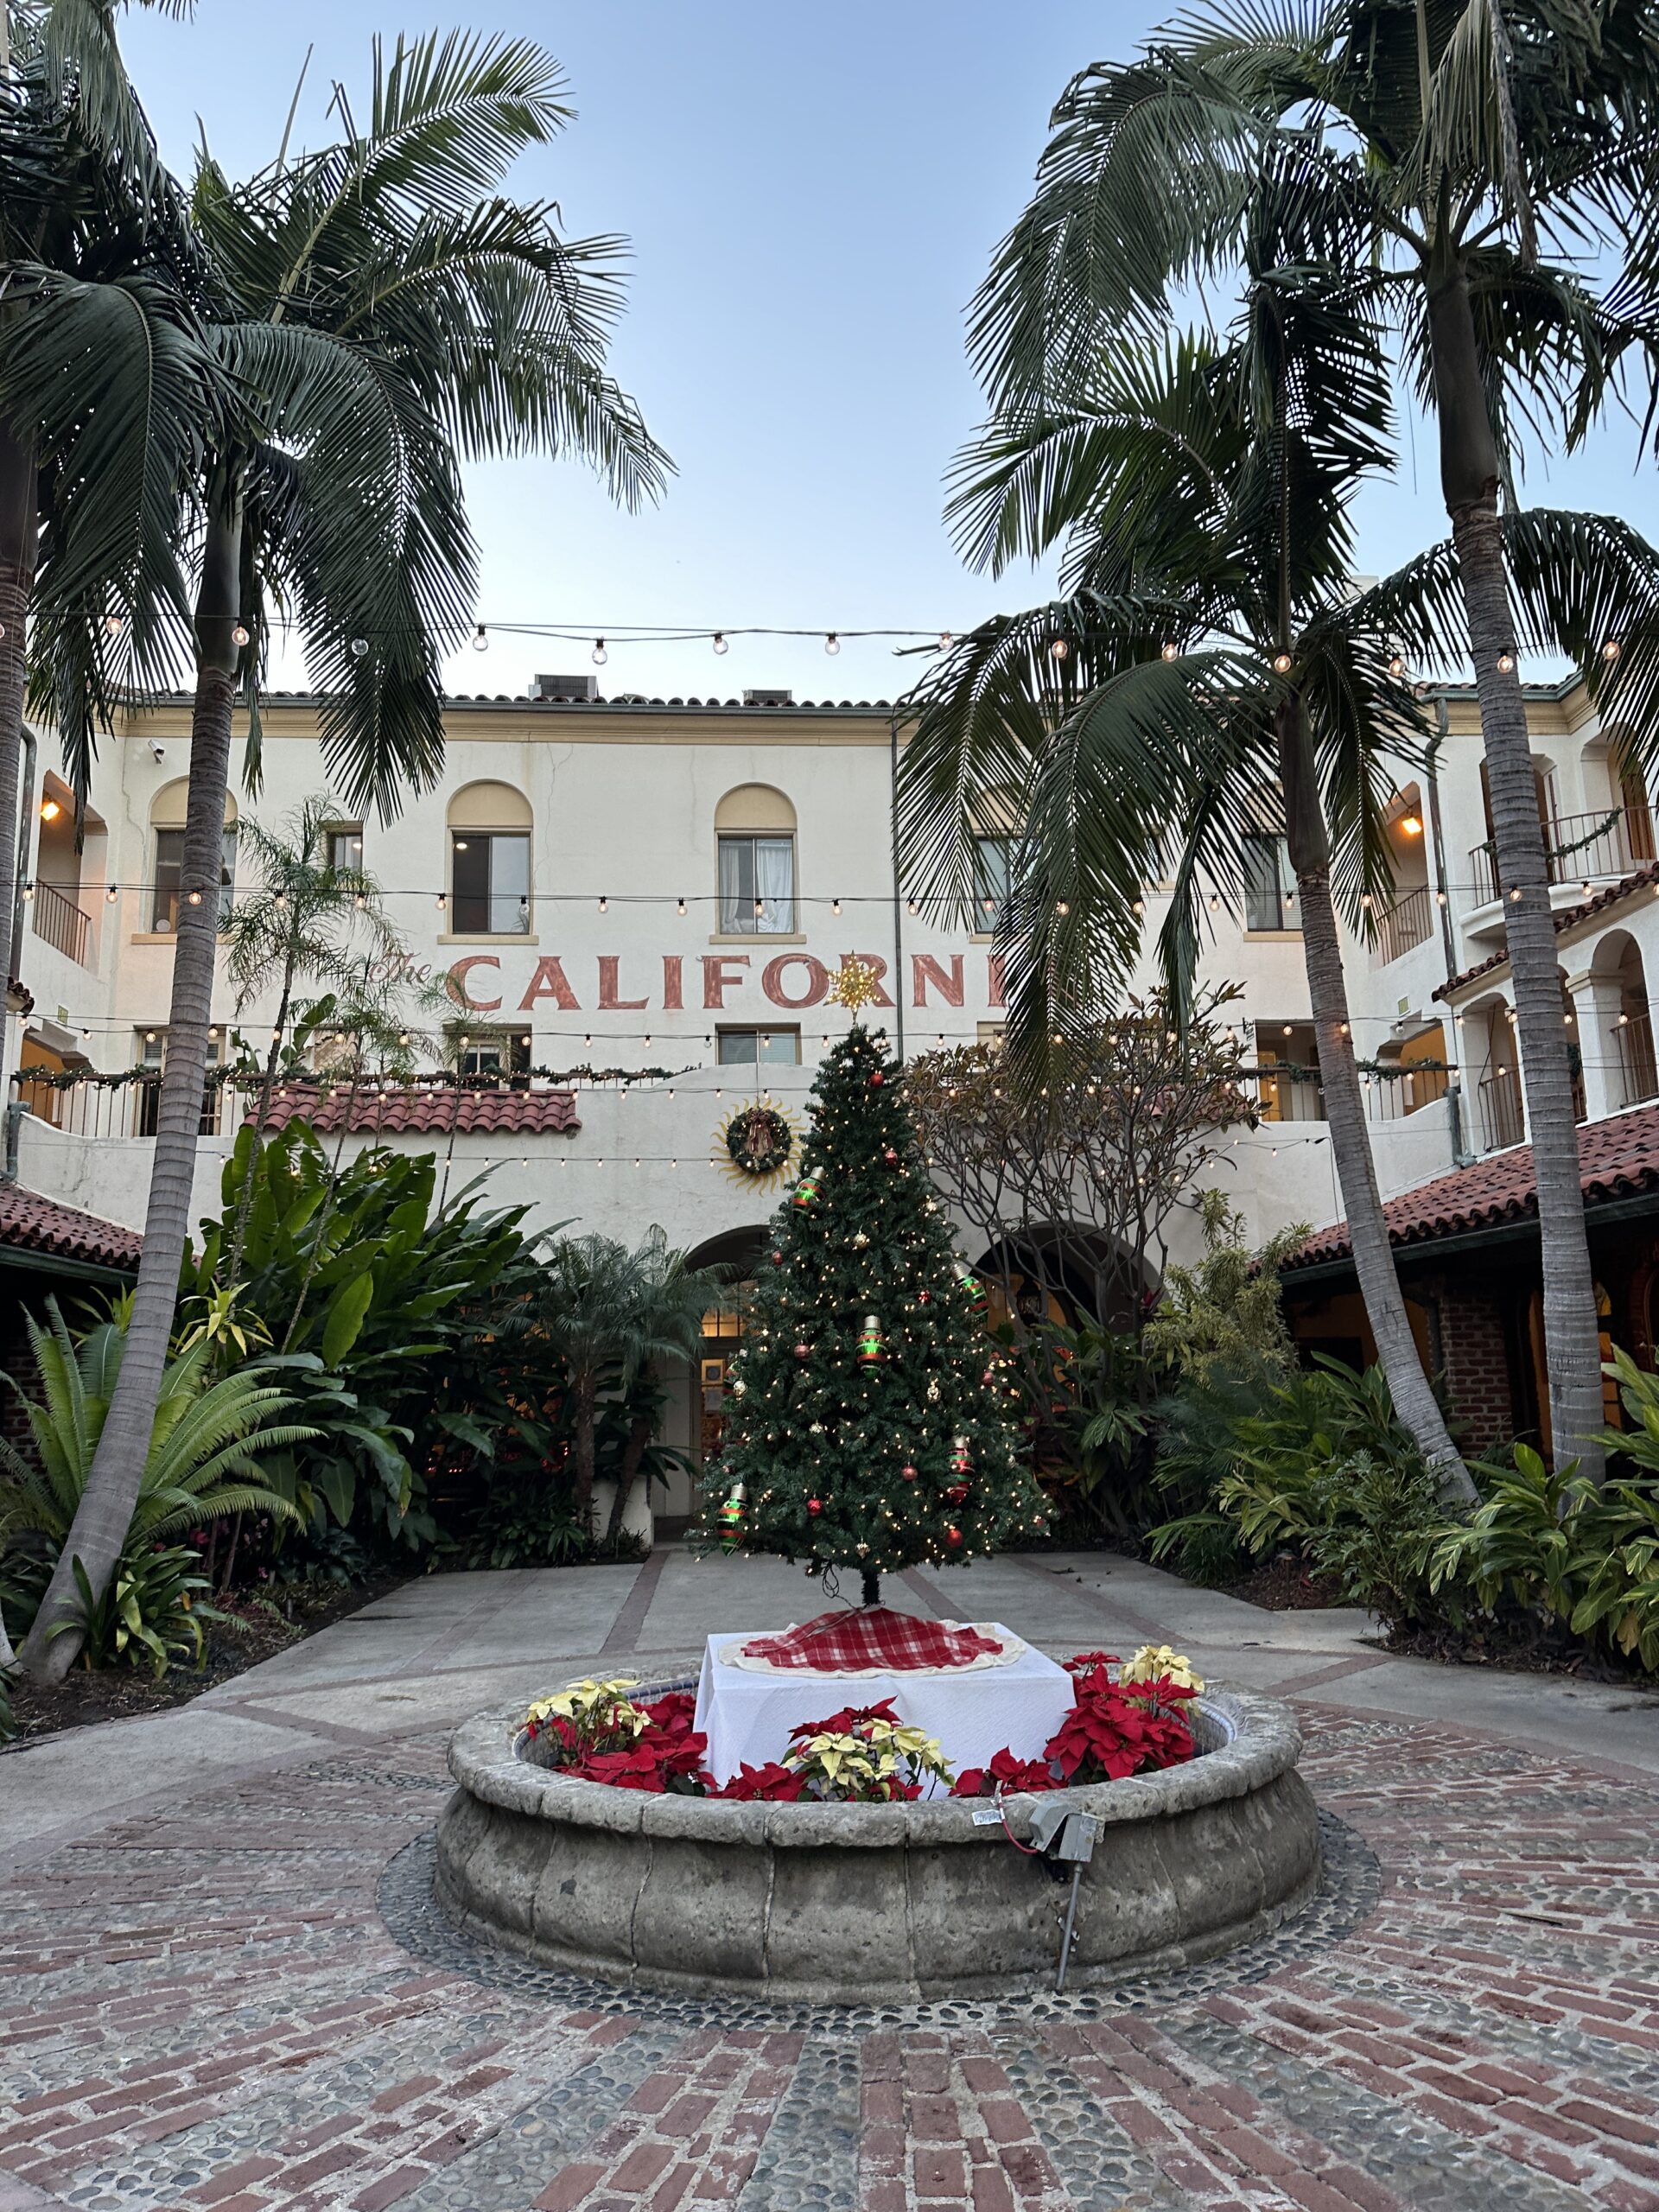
[856,985]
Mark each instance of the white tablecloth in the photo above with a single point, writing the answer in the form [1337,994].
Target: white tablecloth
[748,1717]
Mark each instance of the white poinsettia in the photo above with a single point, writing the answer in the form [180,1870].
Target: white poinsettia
[1161,1663]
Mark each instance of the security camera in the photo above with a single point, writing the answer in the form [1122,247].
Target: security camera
[158,751]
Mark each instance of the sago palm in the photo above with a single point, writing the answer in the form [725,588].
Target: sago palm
[205,1448]
[389,314]
[1468,134]
[1211,680]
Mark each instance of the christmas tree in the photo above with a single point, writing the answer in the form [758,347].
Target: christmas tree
[872,1424]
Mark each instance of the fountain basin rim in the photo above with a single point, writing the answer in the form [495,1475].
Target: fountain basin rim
[1245,1742]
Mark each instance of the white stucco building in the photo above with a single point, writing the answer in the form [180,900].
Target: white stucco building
[665,885]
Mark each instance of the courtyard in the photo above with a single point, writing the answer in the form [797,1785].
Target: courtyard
[225,1984]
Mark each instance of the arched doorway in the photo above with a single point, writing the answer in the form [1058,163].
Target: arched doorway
[696,1418]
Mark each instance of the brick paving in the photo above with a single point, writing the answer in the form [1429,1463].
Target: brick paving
[210,2006]
[207,2010]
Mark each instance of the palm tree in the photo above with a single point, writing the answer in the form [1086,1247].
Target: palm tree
[1461,134]
[607,1312]
[1208,654]
[299,922]
[671,1301]
[389,313]
[107,388]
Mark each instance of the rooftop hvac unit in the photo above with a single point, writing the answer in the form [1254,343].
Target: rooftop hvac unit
[565,687]
[768,698]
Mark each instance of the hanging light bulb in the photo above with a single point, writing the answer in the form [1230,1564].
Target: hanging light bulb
[910,907]
[442,902]
[114,625]
[240,635]
[835,906]
[1505,663]
[1172,651]
[1612,650]
[1283,663]
[720,645]
[112,892]
[193,898]
[832,644]
[679,906]
[945,641]
[1059,649]
[359,648]
[604,905]
[1397,666]
[480,640]
[599,654]
[29,891]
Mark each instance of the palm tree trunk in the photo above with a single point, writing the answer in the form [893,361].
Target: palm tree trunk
[1470,475]
[99,1529]
[586,1394]
[268,1084]
[18,535]
[632,1453]
[1344,1111]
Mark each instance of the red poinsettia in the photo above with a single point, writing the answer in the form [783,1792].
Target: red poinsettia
[772,1781]
[1112,1732]
[666,1755]
[1005,1774]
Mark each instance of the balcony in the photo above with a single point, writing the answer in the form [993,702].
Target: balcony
[120,1106]
[1583,850]
[1407,923]
[62,924]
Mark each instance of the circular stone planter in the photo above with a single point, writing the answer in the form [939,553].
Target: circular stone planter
[872,1904]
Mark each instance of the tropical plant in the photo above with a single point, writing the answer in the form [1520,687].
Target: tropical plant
[1207,683]
[387,312]
[1448,138]
[607,1314]
[302,920]
[207,1445]
[375,1302]
[151,1613]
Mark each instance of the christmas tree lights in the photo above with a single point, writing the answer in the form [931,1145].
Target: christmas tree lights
[867,1429]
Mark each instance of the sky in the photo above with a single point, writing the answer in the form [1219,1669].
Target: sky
[811,194]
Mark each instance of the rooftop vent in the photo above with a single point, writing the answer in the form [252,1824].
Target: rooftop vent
[768,698]
[564,687]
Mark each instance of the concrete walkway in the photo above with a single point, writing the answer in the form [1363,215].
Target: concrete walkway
[211,1995]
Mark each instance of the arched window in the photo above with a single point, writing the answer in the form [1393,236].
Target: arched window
[489,861]
[754,838]
[167,812]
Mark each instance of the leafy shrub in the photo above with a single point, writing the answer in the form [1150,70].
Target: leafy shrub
[528,1522]
[151,1613]
[1318,1461]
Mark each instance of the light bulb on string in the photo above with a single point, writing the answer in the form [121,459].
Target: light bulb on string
[599,654]
[832,644]
[1506,662]
[112,894]
[240,634]
[1057,649]
[359,648]
[720,644]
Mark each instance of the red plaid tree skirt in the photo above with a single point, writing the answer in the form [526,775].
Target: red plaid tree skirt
[875,1641]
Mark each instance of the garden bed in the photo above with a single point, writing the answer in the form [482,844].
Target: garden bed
[83,1699]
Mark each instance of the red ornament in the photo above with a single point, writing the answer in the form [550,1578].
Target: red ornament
[922,1297]
[877,1080]
[891,1157]
[802,1351]
[815,1506]
[953,1537]
[989,1375]
[908,1473]
[956,1493]
[776,1259]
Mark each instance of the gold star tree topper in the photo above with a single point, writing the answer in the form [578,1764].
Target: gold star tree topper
[856,985]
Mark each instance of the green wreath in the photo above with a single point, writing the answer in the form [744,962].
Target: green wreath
[758,1140]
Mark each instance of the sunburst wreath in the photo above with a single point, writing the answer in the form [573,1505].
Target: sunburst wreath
[756,1144]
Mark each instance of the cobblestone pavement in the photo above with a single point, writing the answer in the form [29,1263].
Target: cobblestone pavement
[240,2000]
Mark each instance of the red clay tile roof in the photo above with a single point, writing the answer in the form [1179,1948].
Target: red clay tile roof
[29,1222]
[1568,917]
[1617,1158]
[421,1109]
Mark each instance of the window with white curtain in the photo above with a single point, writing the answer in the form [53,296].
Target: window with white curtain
[757,885]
